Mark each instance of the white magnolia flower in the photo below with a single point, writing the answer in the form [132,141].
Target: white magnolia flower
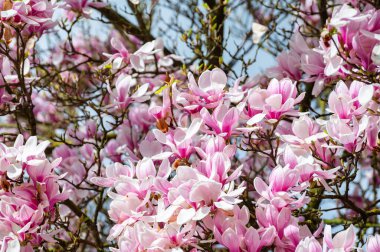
[258,31]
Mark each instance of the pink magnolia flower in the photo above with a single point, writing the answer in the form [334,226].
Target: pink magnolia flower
[270,216]
[281,181]
[309,244]
[150,53]
[14,159]
[358,35]
[343,241]
[278,100]
[44,109]
[120,95]
[160,112]
[143,236]
[113,173]
[36,14]
[287,232]
[342,15]
[351,137]
[372,131]
[222,121]
[10,243]
[180,140]
[289,63]
[137,60]
[312,63]
[305,131]
[255,104]
[194,196]
[81,7]
[140,117]
[126,212]
[373,243]
[236,93]
[208,93]
[217,167]
[281,98]
[231,240]
[288,66]
[346,102]
[213,145]
[28,209]
[222,220]
[255,241]
[117,59]
[308,171]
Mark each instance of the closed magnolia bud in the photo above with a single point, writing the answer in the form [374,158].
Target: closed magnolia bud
[7,34]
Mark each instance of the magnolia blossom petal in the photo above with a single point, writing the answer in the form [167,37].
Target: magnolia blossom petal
[258,30]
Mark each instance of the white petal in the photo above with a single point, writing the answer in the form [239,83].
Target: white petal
[258,30]
[202,213]
[256,118]
[14,172]
[137,62]
[185,215]
[365,94]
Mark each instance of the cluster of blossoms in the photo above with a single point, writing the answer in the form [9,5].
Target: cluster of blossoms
[183,185]
[29,195]
[146,156]
[35,16]
[349,48]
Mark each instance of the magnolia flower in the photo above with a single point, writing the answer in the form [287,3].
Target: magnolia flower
[10,243]
[350,136]
[276,101]
[278,193]
[117,59]
[121,96]
[305,131]
[373,243]
[343,241]
[288,66]
[27,209]
[309,244]
[137,59]
[256,241]
[36,15]
[222,121]
[258,31]
[341,16]
[15,159]
[82,7]
[346,102]
[207,93]
[180,141]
